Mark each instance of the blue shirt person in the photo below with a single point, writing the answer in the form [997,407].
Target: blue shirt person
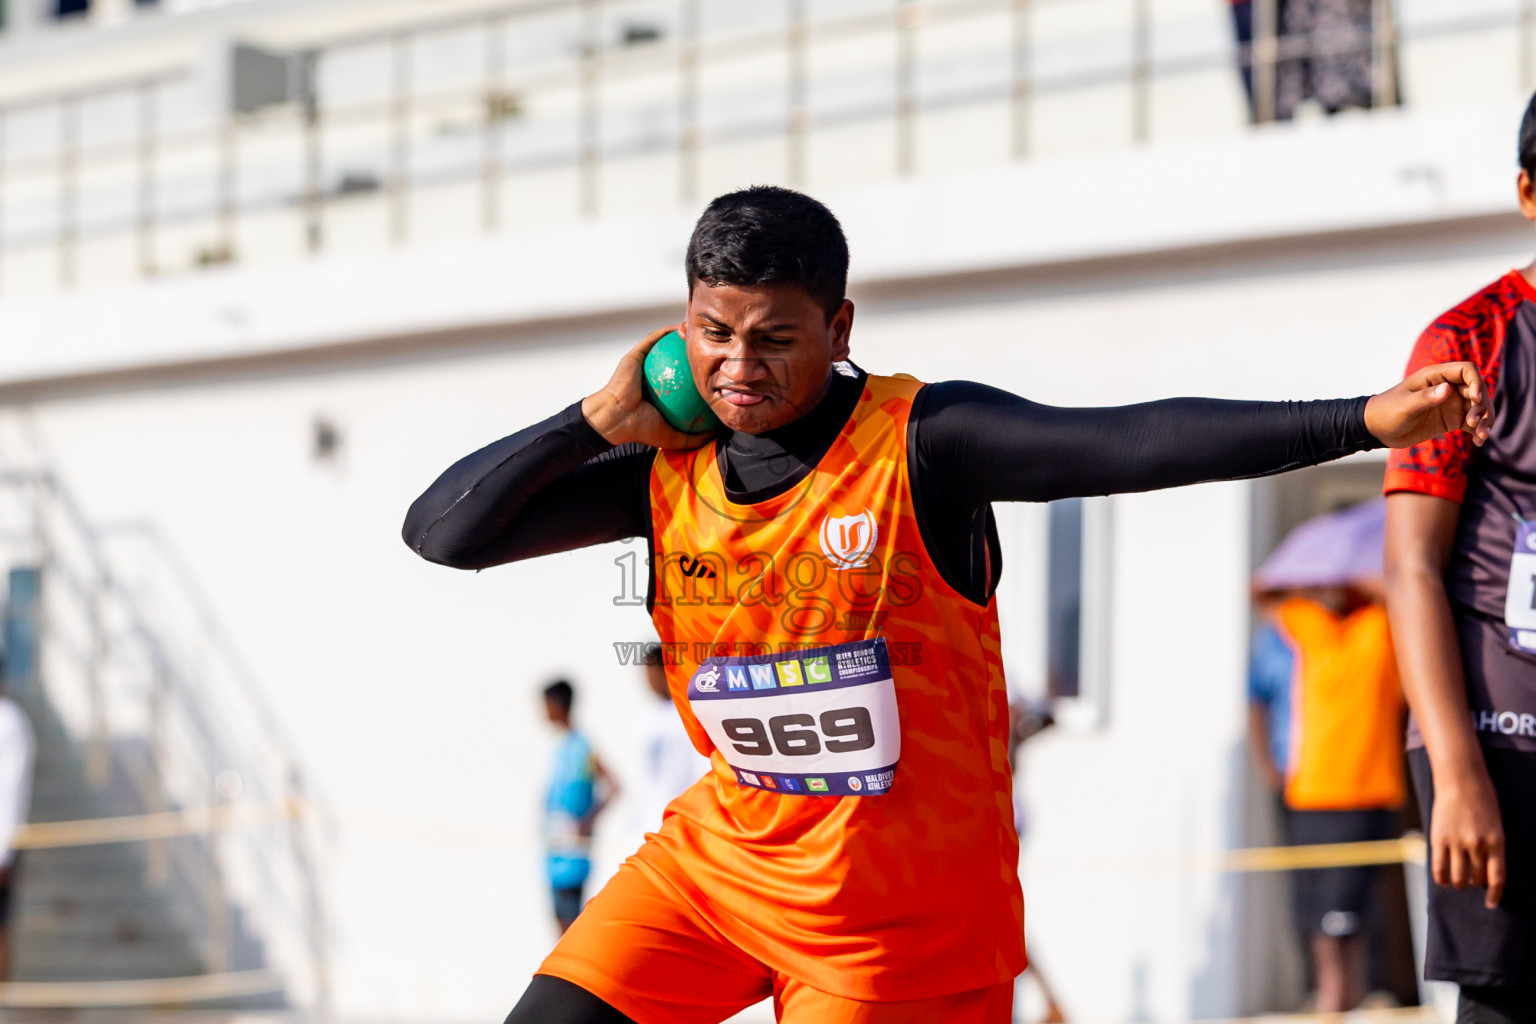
[1271,675]
[579,788]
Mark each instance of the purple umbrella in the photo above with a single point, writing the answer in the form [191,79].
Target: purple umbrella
[1329,550]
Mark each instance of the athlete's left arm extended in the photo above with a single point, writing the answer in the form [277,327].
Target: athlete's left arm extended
[984,445]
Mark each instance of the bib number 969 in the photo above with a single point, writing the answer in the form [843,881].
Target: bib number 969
[841,731]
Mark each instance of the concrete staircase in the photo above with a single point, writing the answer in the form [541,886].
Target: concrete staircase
[237,914]
[87,913]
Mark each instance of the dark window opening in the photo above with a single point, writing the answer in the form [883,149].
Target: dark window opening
[635,33]
[326,445]
[1064,599]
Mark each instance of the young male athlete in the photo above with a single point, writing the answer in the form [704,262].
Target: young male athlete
[822,582]
[1461,568]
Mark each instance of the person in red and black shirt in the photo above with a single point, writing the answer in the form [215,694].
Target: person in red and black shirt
[1461,575]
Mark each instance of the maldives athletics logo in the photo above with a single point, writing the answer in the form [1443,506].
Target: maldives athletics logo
[848,541]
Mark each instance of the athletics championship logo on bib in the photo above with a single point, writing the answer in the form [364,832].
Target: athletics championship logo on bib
[1520,595]
[815,722]
[848,541]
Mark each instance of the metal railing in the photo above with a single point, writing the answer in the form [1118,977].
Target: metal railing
[143,678]
[547,99]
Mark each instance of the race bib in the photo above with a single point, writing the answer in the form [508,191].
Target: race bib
[1520,598]
[817,722]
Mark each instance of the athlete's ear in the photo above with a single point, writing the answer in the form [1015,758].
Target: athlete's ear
[840,327]
[1526,189]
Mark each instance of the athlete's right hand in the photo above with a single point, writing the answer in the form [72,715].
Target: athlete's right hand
[1466,836]
[1434,400]
[620,412]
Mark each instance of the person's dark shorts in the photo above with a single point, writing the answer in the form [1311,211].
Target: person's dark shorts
[568,904]
[1468,943]
[8,890]
[1334,901]
[1500,1005]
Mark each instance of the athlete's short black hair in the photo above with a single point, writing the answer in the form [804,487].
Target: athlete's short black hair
[561,693]
[652,655]
[771,235]
[1528,138]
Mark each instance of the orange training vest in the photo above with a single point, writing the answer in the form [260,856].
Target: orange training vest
[1346,710]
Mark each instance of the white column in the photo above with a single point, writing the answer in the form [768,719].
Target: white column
[111,12]
[25,15]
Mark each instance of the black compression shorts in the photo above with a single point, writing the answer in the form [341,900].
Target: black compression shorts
[551,1000]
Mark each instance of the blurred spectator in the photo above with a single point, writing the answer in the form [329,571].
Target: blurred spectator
[579,788]
[1325,53]
[1326,731]
[671,762]
[1328,56]
[17,750]
[1027,718]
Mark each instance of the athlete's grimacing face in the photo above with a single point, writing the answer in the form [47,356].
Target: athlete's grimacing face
[762,355]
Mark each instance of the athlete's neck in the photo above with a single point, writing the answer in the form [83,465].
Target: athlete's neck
[756,467]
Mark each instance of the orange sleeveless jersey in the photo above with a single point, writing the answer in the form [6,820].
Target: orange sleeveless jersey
[911,889]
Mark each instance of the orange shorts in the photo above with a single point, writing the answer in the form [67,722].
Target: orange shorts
[640,947]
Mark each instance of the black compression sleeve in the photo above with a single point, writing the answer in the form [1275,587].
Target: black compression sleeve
[973,445]
[554,486]
[978,444]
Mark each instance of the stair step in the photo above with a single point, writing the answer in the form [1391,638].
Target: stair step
[64,914]
[40,888]
[34,868]
[127,930]
[74,961]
